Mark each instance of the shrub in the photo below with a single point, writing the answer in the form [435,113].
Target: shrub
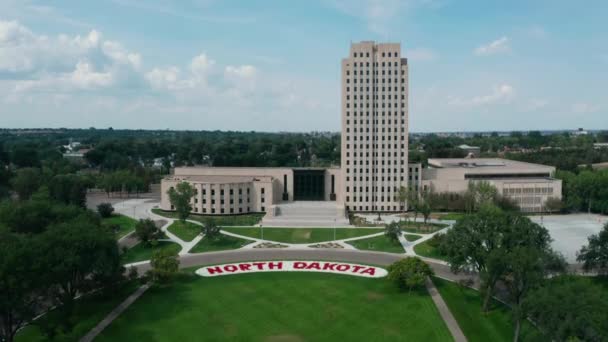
[409,273]
[105,210]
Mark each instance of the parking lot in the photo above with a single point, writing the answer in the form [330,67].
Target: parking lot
[570,232]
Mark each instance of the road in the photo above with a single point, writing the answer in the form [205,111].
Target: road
[354,256]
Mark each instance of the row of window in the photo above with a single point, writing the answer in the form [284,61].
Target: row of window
[375,179]
[384,105]
[384,89]
[367,97]
[390,54]
[375,114]
[376,121]
[517,191]
[384,72]
[375,129]
[375,81]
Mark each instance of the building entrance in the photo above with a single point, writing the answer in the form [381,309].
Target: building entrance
[309,185]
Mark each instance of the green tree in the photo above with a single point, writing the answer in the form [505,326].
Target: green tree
[211,230]
[401,197]
[26,181]
[68,189]
[569,308]
[475,242]
[527,267]
[410,272]
[146,231]
[180,197]
[20,286]
[79,256]
[392,231]
[105,210]
[165,265]
[594,256]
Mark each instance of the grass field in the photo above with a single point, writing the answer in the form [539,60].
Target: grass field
[125,224]
[410,237]
[451,216]
[232,220]
[421,228]
[379,243]
[88,311]
[426,250]
[279,307]
[222,243]
[141,252]
[465,305]
[302,235]
[186,231]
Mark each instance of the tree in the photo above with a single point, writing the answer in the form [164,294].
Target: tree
[477,241]
[409,273]
[68,189]
[594,256]
[401,197]
[180,198]
[20,286]
[165,265]
[105,210]
[413,202]
[527,267]
[147,231]
[79,256]
[569,308]
[426,210]
[554,205]
[392,231]
[211,230]
[26,181]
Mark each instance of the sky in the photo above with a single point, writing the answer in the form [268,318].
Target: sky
[475,65]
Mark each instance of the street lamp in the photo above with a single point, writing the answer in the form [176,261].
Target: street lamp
[262,228]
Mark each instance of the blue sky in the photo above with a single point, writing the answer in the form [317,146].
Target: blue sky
[274,65]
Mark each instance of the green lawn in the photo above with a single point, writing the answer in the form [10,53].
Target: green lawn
[426,250]
[410,237]
[141,252]
[186,231]
[421,228]
[88,311]
[279,307]
[125,224]
[465,305]
[451,216]
[223,242]
[379,243]
[302,235]
[228,220]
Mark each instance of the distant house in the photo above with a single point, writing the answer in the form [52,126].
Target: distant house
[598,146]
[470,151]
[580,131]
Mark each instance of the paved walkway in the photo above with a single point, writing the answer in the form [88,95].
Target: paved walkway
[114,314]
[445,312]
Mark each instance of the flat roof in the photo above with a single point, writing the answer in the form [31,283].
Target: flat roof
[483,163]
[221,179]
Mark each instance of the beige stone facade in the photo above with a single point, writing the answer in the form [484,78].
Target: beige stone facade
[374,156]
[529,185]
[374,126]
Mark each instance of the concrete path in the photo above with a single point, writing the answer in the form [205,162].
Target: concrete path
[114,314]
[445,312]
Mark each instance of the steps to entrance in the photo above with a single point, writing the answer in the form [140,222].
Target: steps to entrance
[307,214]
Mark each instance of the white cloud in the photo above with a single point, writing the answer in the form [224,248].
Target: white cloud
[240,72]
[500,94]
[584,108]
[201,64]
[500,45]
[85,76]
[420,55]
[166,78]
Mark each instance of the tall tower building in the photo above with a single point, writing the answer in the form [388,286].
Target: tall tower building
[374,126]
